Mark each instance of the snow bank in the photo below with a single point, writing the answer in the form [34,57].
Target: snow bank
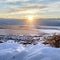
[14,51]
[12,46]
[43,53]
[8,50]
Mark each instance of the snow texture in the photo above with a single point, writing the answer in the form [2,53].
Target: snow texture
[15,51]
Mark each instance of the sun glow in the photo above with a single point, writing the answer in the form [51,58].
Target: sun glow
[30,18]
[30,21]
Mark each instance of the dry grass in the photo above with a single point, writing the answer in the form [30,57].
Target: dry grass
[54,41]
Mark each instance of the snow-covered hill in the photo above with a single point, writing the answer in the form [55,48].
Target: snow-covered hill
[15,51]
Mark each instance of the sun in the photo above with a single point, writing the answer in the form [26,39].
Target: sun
[30,18]
[30,21]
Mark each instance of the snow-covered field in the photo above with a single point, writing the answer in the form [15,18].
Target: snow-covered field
[17,32]
[15,51]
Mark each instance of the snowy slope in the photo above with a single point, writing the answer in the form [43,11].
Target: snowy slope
[7,50]
[15,51]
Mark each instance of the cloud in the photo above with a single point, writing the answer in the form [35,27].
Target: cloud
[52,8]
[13,0]
[26,7]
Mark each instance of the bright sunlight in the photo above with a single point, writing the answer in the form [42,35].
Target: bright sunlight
[30,18]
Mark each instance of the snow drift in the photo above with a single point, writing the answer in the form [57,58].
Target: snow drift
[14,51]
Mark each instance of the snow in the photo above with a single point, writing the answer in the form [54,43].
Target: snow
[17,32]
[50,31]
[15,51]
[43,53]
[10,41]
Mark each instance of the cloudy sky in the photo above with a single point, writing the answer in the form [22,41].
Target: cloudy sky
[23,8]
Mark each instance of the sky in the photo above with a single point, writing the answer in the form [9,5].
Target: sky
[21,9]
